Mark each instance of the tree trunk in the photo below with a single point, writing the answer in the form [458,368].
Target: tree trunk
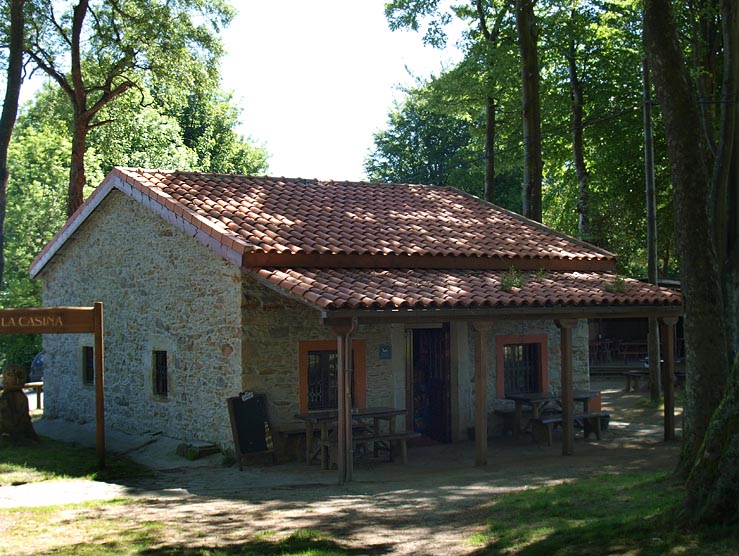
[705,334]
[713,485]
[578,147]
[652,267]
[77,179]
[490,150]
[532,167]
[705,43]
[10,111]
[725,187]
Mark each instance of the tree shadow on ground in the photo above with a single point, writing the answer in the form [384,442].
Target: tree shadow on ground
[302,542]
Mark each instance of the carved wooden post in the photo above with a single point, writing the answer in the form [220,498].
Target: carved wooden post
[568,403]
[481,392]
[667,325]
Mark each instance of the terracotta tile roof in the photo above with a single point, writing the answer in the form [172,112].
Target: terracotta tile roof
[279,216]
[333,289]
[354,246]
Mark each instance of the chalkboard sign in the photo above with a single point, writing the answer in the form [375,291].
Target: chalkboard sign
[250,425]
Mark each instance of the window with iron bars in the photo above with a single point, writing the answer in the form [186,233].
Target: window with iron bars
[521,368]
[88,365]
[161,386]
[323,379]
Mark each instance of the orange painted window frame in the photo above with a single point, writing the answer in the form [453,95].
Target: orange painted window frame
[501,341]
[359,347]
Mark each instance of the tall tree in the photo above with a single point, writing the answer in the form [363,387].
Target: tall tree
[492,35]
[98,50]
[713,484]
[421,145]
[411,13]
[578,147]
[705,333]
[725,177]
[532,162]
[15,34]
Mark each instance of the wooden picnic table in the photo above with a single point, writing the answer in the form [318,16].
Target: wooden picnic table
[366,422]
[539,400]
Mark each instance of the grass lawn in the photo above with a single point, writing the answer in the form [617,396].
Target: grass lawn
[633,514]
[50,459]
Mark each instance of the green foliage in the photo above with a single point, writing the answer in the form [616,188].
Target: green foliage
[607,46]
[143,131]
[618,285]
[422,145]
[413,14]
[208,120]
[512,278]
[139,135]
[38,163]
[175,43]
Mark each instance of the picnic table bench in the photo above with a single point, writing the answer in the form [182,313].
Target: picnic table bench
[366,429]
[381,440]
[633,378]
[542,427]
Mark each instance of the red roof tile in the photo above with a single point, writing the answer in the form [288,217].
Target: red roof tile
[379,233]
[309,217]
[344,288]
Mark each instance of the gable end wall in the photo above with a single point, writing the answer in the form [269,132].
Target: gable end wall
[161,291]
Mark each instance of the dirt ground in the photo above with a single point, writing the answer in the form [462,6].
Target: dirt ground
[432,505]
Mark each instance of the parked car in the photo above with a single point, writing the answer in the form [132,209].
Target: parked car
[36,373]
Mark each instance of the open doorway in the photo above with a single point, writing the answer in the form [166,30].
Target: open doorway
[429,382]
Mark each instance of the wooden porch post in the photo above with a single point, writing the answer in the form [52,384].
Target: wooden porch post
[99,383]
[667,325]
[568,403]
[481,393]
[345,461]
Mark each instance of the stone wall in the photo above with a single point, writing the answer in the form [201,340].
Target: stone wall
[466,370]
[274,326]
[161,291]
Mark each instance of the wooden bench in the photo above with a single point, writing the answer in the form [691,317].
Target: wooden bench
[507,421]
[543,427]
[605,372]
[385,438]
[633,378]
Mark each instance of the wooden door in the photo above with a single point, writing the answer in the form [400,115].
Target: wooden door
[429,382]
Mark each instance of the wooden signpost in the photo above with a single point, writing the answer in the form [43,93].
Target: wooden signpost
[67,320]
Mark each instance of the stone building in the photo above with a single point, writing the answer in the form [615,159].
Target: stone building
[216,284]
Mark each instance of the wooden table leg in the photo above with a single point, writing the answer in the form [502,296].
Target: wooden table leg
[517,420]
[324,446]
[308,442]
[376,432]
